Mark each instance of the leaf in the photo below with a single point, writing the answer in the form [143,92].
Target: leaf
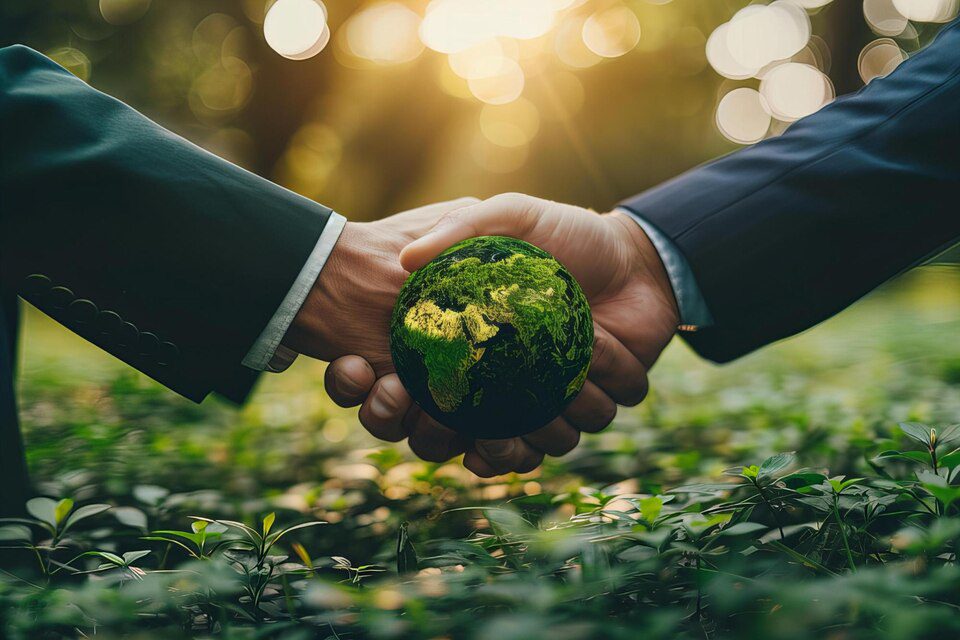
[302,553]
[15,533]
[62,509]
[406,553]
[776,464]
[948,434]
[950,460]
[106,555]
[650,508]
[743,528]
[302,525]
[945,494]
[131,517]
[800,480]
[917,431]
[914,456]
[268,523]
[43,509]
[85,512]
[150,494]
[199,526]
[132,556]
[195,538]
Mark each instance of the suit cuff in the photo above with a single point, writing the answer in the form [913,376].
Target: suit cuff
[267,354]
[694,313]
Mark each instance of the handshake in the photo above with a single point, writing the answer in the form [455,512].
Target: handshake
[346,315]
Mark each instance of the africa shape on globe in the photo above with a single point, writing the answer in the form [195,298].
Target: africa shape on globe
[493,337]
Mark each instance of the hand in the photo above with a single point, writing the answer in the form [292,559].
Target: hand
[634,311]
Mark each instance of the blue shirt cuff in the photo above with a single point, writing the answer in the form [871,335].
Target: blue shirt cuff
[693,308]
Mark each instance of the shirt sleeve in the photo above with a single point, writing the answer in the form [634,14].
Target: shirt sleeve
[267,354]
[694,313]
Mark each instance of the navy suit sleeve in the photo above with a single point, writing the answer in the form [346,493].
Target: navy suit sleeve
[166,256]
[789,232]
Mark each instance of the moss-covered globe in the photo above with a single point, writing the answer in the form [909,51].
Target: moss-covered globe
[492,338]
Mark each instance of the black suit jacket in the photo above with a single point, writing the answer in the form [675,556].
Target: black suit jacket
[790,231]
[166,256]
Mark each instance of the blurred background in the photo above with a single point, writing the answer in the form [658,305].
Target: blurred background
[374,107]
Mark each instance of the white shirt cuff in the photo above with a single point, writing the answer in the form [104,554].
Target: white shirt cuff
[693,308]
[267,354]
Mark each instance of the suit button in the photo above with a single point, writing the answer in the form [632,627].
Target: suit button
[60,297]
[168,353]
[36,285]
[127,335]
[148,344]
[109,321]
[82,311]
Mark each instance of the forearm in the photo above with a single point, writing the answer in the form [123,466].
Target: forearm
[789,232]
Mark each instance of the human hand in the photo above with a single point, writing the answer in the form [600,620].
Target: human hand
[634,311]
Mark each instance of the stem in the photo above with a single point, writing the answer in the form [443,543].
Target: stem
[763,497]
[843,533]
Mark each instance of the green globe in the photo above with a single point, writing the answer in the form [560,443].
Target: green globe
[492,338]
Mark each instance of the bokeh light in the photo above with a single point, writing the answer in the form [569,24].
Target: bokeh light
[611,32]
[385,33]
[761,34]
[879,58]
[742,116]
[297,29]
[450,26]
[793,90]
[510,125]
[120,12]
[73,60]
[928,10]
[570,47]
[883,17]
[497,80]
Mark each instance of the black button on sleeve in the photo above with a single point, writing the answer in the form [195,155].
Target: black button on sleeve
[127,335]
[82,311]
[36,285]
[60,297]
[109,322]
[148,344]
[168,353]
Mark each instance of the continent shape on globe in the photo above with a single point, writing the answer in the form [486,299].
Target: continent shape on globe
[493,337]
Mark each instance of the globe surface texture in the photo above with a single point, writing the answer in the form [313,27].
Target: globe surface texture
[492,338]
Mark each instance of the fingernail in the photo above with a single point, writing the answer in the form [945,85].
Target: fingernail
[348,385]
[381,408]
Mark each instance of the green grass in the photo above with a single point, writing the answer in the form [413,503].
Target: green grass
[680,521]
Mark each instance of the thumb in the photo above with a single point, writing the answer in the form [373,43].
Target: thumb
[509,214]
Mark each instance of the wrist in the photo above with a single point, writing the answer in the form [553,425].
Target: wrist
[647,263]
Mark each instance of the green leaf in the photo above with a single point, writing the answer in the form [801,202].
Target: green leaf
[84,512]
[62,509]
[132,556]
[917,431]
[199,526]
[743,528]
[950,460]
[913,456]
[803,479]
[15,532]
[295,527]
[44,510]
[406,554]
[751,471]
[650,508]
[776,464]
[268,523]
[131,517]
[150,494]
[945,494]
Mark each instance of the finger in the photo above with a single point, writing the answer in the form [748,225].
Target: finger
[509,214]
[479,465]
[430,440]
[555,439]
[384,409]
[616,370]
[506,455]
[592,410]
[348,380]
[419,221]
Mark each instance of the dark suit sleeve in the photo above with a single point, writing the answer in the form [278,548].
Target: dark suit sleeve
[789,232]
[163,254]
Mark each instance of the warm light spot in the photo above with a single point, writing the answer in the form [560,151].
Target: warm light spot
[559,95]
[385,33]
[720,58]
[570,47]
[883,17]
[120,12]
[879,58]
[496,159]
[498,80]
[450,26]
[812,4]
[73,60]
[759,34]
[612,32]
[296,29]
[224,87]
[792,91]
[741,116]
[510,125]
[928,10]
[470,63]
[387,599]
[334,430]
[532,488]
[209,36]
